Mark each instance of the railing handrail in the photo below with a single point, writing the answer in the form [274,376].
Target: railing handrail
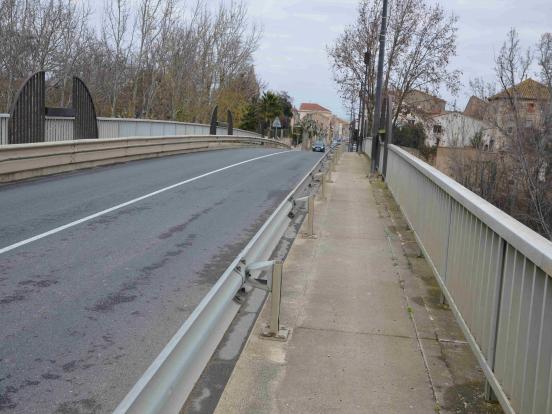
[157,121]
[527,241]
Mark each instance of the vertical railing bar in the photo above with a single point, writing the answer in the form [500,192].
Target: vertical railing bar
[509,318]
[549,399]
[539,348]
[483,292]
[456,240]
[495,320]
[528,335]
[472,265]
[463,255]
[449,231]
[476,294]
[488,316]
[518,324]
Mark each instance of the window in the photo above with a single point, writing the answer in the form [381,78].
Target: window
[437,129]
[530,107]
[411,122]
[509,130]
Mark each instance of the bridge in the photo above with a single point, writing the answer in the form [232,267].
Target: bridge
[133,286]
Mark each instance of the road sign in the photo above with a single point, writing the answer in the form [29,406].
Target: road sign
[276,123]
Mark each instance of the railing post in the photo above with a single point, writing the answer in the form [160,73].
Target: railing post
[274,330]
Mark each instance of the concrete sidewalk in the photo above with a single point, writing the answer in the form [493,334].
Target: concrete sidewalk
[366,336]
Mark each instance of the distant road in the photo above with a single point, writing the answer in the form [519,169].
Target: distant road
[99,268]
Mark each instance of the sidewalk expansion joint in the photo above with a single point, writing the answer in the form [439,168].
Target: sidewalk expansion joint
[365,333]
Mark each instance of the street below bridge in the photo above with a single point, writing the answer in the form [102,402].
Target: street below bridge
[99,268]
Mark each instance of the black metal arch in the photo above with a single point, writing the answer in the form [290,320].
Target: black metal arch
[85,124]
[213,128]
[27,114]
[230,122]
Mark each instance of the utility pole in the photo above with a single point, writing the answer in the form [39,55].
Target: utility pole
[357,131]
[360,117]
[379,82]
[363,89]
[352,124]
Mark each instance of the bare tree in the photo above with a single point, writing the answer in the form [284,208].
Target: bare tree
[117,37]
[162,59]
[421,40]
[529,148]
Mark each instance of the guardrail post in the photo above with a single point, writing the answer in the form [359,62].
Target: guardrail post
[329,173]
[310,217]
[274,330]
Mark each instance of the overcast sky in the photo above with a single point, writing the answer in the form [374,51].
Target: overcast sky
[292,55]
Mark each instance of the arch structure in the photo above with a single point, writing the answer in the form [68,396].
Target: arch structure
[28,112]
[213,127]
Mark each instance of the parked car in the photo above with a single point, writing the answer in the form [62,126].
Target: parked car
[319,146]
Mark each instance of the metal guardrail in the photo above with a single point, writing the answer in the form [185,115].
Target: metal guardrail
[61,129]
[166,384]
[495,274]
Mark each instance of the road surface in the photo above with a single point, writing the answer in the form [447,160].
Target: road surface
[99,268]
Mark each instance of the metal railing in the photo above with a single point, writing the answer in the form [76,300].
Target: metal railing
[168,381]
[61,129]
[495,274]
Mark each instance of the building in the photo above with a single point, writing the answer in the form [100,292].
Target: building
[531,98]
[331,126]
[419,107]
[476,108]
[419,101]
[456,129]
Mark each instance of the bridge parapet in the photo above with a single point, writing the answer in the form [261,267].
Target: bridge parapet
[20,161]
[494,272]
[61,128]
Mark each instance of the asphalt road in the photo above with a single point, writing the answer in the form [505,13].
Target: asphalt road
[84,309]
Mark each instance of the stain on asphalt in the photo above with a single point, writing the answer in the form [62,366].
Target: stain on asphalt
[6,403]
[108,303]
[124,295]
[17,296]
[51,376]
[85,406]
[38,283]
[181,227]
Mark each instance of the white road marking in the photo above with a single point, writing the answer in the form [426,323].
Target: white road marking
[127,203]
